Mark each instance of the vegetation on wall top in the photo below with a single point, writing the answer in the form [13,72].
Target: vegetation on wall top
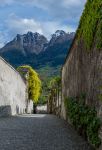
[91,21]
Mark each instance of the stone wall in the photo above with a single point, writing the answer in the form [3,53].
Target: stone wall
[82,70]
[12,91]
[82,73]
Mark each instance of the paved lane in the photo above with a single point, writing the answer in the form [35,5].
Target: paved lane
[38,132]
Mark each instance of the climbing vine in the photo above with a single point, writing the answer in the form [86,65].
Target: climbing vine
[34,83]
[90,21]
[84,119]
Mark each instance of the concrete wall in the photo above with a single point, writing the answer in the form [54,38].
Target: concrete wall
[12,91]
[30,107]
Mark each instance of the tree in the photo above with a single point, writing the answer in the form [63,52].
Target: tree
[54,96]
[34,82]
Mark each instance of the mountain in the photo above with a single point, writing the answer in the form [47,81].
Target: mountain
[60,37]
[26,44]
[34,49]
[56,50]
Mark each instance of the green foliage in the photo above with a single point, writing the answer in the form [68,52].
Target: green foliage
[54,88]
[47,72]
[46,75]
[99,35]
[34,83]
[100,97]
[84,119]
[42,100]
[55,82]
[91,21]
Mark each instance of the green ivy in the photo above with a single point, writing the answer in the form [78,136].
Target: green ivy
[84,119]
[91,21]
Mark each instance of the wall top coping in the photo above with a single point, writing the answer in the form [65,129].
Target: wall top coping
[11,67]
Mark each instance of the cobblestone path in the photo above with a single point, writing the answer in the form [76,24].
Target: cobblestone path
[38,132]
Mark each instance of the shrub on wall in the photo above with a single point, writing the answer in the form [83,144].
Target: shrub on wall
[84,119]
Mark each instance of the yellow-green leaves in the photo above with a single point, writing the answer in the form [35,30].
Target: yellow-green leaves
[34,83]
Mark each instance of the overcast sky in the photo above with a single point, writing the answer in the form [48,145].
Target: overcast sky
[43,16]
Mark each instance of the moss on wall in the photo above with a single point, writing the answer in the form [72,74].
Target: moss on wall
[90,22]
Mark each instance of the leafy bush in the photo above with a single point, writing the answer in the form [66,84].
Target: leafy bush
[84,119]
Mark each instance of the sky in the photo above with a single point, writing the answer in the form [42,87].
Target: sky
[42,16]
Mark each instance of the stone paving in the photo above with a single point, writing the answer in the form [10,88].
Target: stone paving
[39,132]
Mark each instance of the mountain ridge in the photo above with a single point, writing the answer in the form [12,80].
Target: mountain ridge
[37,51]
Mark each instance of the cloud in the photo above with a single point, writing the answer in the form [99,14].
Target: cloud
[16,25]
[50,27]
[6,2]
[69,10]
[61,14]
[59,9]
[3,38]
[19,25]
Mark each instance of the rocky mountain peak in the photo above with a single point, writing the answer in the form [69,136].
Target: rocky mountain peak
[60,36]
[59,33]
[29,43]
[34,43]
[34,49]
